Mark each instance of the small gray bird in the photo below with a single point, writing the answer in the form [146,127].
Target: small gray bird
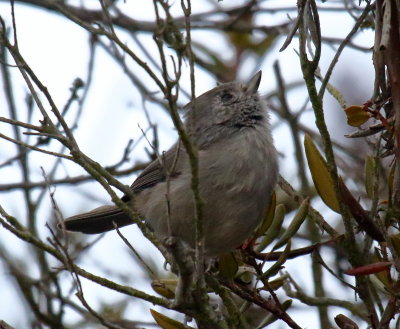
[237,172]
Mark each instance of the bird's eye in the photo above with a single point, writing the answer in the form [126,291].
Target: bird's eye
[226,96]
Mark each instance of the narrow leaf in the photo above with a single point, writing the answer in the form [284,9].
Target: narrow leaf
[274,229]
[166,322]
[165,287]
[278,264]
[271,256]
[245,274]
[277,283]
[369,269]
[228,265]
[294,225]
[395,239]
[369,170]
[383,277]
[320,174]
[391,179]
[268,218]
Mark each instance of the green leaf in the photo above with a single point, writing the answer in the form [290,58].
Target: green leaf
[268,218]
[369,170]
[390,180]
[356,115]
[395,239]
[274,229]
[320,174]
[294,226]
[228,265]
[166,322]
[384,276]
[245,274]
[165,287]
[276,284]
[278,264]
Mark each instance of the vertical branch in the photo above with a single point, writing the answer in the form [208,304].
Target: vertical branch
[342,46]
[311,226]
[309,68]
[199,218]
[390,47]
[294,128]
[205,315]
[200,293]
[22,155]
[380,80]
[23,159]
[183,136]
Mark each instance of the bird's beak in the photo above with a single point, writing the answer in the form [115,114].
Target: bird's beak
[253,84]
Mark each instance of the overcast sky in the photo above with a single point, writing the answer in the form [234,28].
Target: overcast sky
[57,50]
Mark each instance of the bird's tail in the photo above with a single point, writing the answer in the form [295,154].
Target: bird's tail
[98,220]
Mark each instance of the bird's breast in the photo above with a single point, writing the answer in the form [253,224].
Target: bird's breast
[247,162]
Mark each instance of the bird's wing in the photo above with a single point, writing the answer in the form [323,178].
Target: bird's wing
[158,170]
[105,218]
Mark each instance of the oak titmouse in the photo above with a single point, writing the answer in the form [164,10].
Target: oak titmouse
[237,173]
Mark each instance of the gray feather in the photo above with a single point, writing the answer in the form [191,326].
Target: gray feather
[98,220]
[238,171]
